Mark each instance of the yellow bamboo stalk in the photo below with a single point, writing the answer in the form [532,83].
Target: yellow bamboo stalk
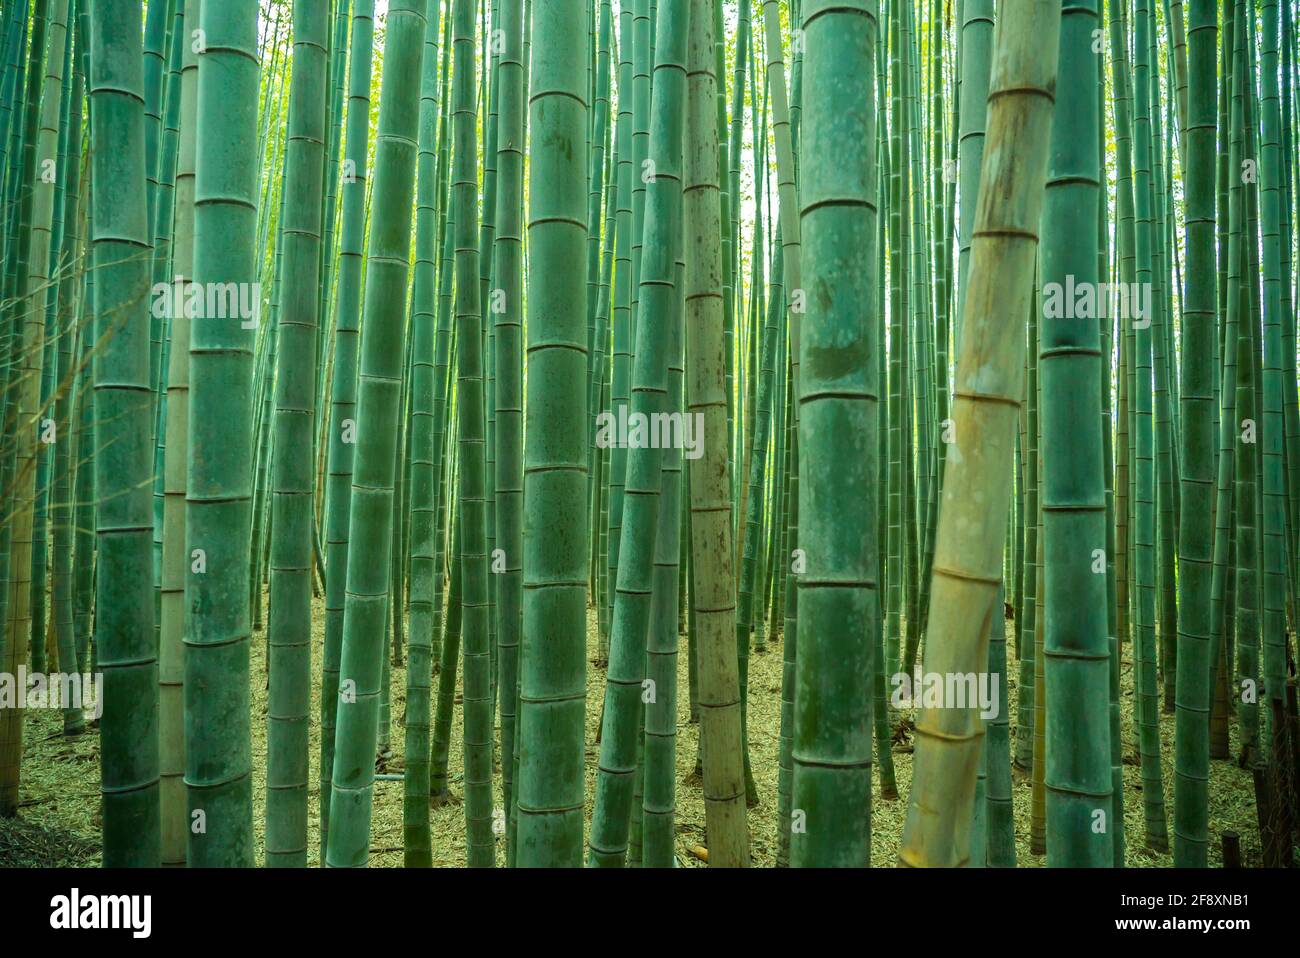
[986,403]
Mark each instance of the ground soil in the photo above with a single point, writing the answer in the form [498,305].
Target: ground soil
[59,821]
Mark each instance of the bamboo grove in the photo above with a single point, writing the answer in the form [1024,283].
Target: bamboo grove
[762,432]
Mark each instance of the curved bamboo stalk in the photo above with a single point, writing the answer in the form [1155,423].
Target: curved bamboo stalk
[977,484]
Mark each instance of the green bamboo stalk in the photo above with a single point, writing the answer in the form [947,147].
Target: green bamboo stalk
[1148,702]
[40,299]
[380,379]
[1163,361]
[596,177]
[417,838]
[832,756]
[1076,645]
[1038,773]
[1124,228]
[788,292]
[620,727]
[734,148]
[123,401]
[897,311]
[343,389]
[1026,721]
[509,398]
[660,690]
[756,487]
[158,16]
[476,642]
[1196,530]
[334,147]
[164,216]
[66,296]
[1273,529]
[641,66]
[1000,844]
[84,484]
[487,232]
[552,665]
[289,632]
[218,763]
[620,334]
[1228,225]
[175,560]
[439,791]
[1245,609]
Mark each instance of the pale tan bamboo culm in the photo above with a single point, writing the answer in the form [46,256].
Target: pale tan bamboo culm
[711,590]
[986,404]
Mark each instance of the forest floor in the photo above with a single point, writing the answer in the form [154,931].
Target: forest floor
[59,823]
